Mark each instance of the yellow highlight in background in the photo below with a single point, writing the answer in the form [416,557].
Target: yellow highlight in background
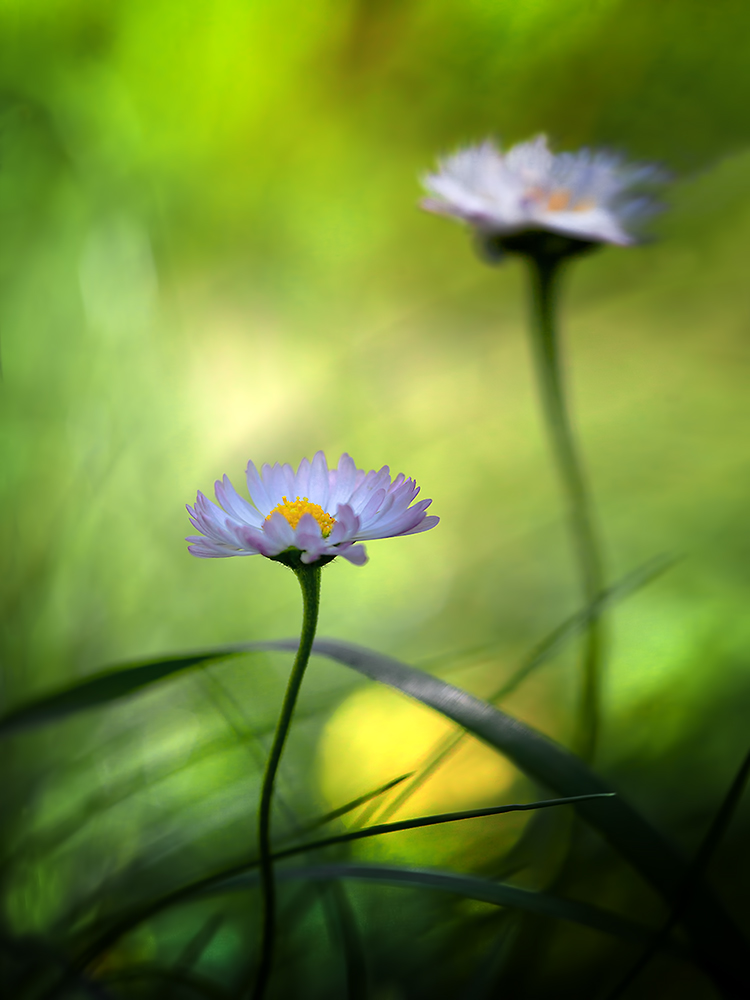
[376,735]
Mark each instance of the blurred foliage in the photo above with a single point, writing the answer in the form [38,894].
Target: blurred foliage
[210,252]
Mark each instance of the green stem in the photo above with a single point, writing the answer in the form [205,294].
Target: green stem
[309,579]
[545,274]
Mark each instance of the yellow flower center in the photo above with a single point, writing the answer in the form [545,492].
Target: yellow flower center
[293,510]
[560,200]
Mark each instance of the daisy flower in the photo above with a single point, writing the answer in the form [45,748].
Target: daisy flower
[587,196]
[316,513]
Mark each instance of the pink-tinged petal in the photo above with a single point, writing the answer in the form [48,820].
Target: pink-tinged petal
[342,481]
[319,480]
[589,196]
[394,503]
[286,478]
[302,480]
[209,519]
[367,505]
[356,554]
[279,533]
[235,505]
[207,548]
[372,482]
[346,527]
[308,532]
[308,557]
[429,522]
[257,490]
[279,482]
[372,506]
[267,477]
[207,551]
[252,539]
[398,525]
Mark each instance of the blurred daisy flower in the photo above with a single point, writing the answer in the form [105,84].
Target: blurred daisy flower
[312,514]
[587,196]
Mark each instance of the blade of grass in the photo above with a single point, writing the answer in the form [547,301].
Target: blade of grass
[344,930]
[466,886]
[717,941]
[699,866]
[110,685]
[436,820]
[193,951]
[91,952]
[542,653]
[104,688]
[169,978]
[355,803]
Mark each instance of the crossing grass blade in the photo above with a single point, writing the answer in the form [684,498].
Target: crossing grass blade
[436,820]
[717,942]
[229,877]
[355,803]
[104,688]
[466,886]
[109,686]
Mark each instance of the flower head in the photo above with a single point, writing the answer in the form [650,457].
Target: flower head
[311,514]
[586,196]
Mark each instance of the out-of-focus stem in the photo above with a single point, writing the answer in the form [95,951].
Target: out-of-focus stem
[545,273]
[309,579]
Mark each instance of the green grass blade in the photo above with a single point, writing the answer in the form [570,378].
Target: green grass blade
[111,685]
[355,803]
[542,653]
[436,820]
[698,867]
[103,688]
[716,939]
[466,886]
[137,981]
[344,930]
[190,891]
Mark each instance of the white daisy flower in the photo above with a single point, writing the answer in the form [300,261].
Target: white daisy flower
[316,512]
[588,196]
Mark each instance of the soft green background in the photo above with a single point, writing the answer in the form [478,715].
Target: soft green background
[210,251]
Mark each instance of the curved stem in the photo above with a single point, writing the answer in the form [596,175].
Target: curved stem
[545,274]
[309,579]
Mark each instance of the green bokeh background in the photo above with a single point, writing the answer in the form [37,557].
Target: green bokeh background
[210,252]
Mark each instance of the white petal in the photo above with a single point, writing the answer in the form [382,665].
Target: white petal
[235,505]
[356,554]
[257,490]
[342,482]
[302,479]
[279,533]
[319,481]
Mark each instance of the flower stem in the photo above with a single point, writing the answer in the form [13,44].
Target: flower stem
[309,579]
[545,273]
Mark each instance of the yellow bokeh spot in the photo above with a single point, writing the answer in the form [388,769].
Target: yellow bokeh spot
[293,510]
[376,735]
